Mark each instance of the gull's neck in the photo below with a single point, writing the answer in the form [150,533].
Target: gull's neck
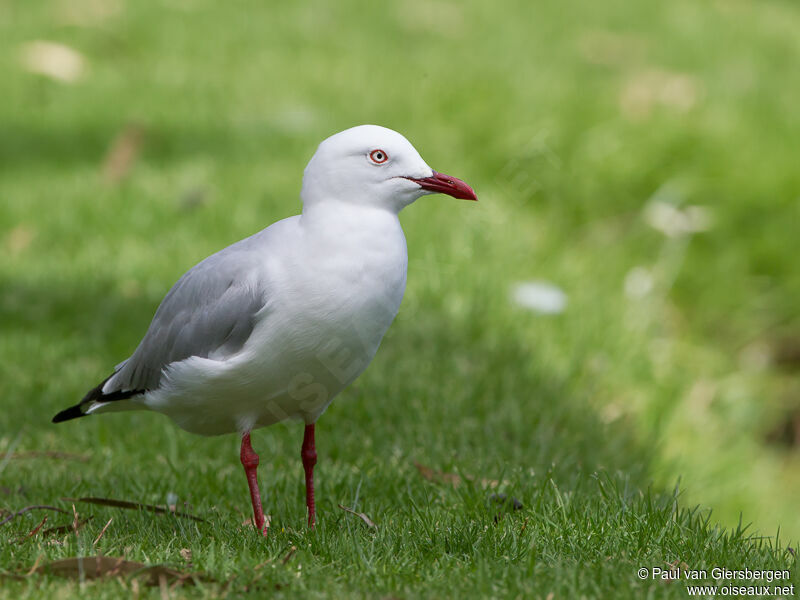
[367,232]
[331,214]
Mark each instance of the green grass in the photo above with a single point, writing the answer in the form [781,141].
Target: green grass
[569,119]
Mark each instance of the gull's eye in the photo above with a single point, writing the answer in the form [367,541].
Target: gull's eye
[378,157]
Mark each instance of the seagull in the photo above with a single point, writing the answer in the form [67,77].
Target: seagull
[274,326]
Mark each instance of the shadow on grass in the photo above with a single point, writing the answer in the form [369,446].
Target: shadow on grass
[458,396]
[453,394]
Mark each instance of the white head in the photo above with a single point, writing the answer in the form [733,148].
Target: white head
[375,166]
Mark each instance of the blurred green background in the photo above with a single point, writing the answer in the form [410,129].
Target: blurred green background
[640,158]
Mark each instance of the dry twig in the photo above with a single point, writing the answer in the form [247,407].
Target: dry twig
[97,539]
[369,522]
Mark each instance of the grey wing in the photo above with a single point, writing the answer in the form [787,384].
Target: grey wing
[210,312]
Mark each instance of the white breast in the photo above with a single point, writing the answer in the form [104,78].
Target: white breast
[333,294]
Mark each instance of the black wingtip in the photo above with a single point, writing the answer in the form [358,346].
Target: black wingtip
[92,398]
[73,412]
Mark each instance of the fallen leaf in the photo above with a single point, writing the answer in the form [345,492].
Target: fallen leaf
[133,506]
[438,476]
[186,554]
[18,239]
[53,60]
[97,567]
[162,587]
[122,153]
[361,515]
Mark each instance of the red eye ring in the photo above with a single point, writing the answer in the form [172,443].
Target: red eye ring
[378,156]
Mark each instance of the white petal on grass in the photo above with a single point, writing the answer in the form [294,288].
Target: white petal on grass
[540,296]
[673,221]
[639,282]
[53,60]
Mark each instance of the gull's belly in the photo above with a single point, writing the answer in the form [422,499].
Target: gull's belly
[334,330]
[312,342]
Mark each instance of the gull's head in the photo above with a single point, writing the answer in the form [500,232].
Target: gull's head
[375,166]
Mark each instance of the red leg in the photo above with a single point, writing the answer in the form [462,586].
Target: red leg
[309,455]
[250,464]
